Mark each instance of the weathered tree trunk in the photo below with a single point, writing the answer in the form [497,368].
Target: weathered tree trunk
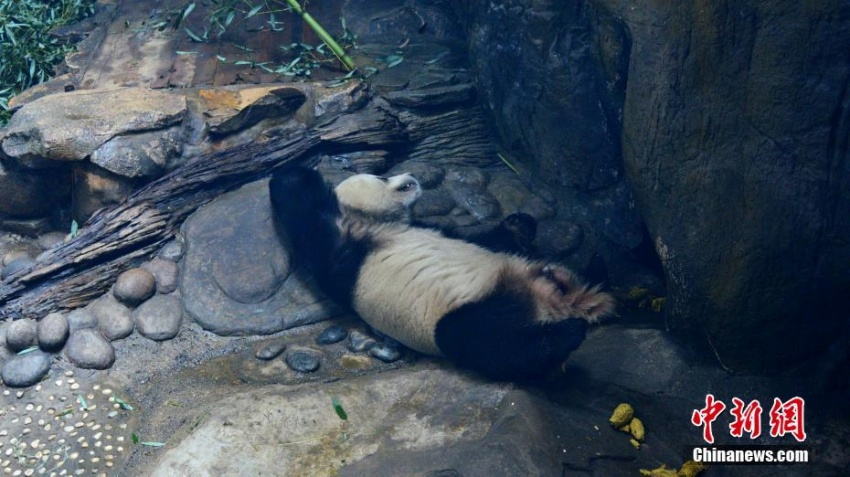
[115,239]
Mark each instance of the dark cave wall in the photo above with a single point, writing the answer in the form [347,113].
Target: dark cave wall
[730,121]
[552,73]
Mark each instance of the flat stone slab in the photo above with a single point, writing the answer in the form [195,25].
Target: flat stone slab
[236,278]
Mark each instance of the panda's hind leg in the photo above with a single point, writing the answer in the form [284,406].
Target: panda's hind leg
[499,338]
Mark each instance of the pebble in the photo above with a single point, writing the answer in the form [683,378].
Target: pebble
[113,318]
[50,240]
[80,319]
[358,342]
[16,265]
[134,286]
[88,349]
[53,330]
[429,175]
[172,251]
[165,273]
[159,318]
[468,176]
[26,369]
[271,350]
[21,334]
[303,361]
[332,334]
[385,353]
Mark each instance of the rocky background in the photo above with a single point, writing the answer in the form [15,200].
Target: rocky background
[693,157]
[728,122]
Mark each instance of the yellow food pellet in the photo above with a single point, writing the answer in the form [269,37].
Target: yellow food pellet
[634,443]
[662,471]
[637,430]
[691,469]
[622,415]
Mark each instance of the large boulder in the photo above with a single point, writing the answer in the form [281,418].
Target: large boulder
[236,277]
[735,132]
[732,123]
[71,126]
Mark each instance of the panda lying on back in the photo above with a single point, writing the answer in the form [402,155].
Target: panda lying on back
[501,315]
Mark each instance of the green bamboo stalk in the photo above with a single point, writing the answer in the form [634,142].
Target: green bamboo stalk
[323,34]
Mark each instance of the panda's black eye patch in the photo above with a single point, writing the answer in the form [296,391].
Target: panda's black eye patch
[405,187]
[383,179]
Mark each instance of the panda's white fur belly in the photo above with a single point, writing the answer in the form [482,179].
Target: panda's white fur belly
[416,277]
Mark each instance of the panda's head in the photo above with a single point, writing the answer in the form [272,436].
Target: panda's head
[381,198]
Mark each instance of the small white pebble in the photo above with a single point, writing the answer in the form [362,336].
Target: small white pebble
[72,381]
[51,397]
[96,387]
[27,420]
[89,396]
[120,449]
[63,398]
[16,473]
[39,408]
[25,431]
[47,427]
[107,391]
[68,428]
[60,441]
[4,432]
[19,394]
[29,407]
[97,444]
[75,386]
[95,460]
[34,444]
[97,436]
[84,445]
[73,455]
[109,464]
[58,382]
[79,424]
[38,387]
[73,434]
[123,425]
[69,373]
[95,427]
[6,392]
[29,472]
[120,439]
[51,437]
[81,439]
[107,448]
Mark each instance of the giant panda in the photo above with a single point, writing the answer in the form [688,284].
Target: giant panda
[501,315]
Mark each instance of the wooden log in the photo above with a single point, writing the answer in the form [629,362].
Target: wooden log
[123,236]
[116,239]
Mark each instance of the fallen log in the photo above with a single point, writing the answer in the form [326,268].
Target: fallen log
[123,236]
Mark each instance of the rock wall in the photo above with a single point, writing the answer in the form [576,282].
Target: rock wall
[733,135]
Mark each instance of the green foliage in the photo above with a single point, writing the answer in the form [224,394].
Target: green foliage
[28,53]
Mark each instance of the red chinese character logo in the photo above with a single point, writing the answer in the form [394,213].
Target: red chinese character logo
[787,418]
[746,419]
[707,415]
